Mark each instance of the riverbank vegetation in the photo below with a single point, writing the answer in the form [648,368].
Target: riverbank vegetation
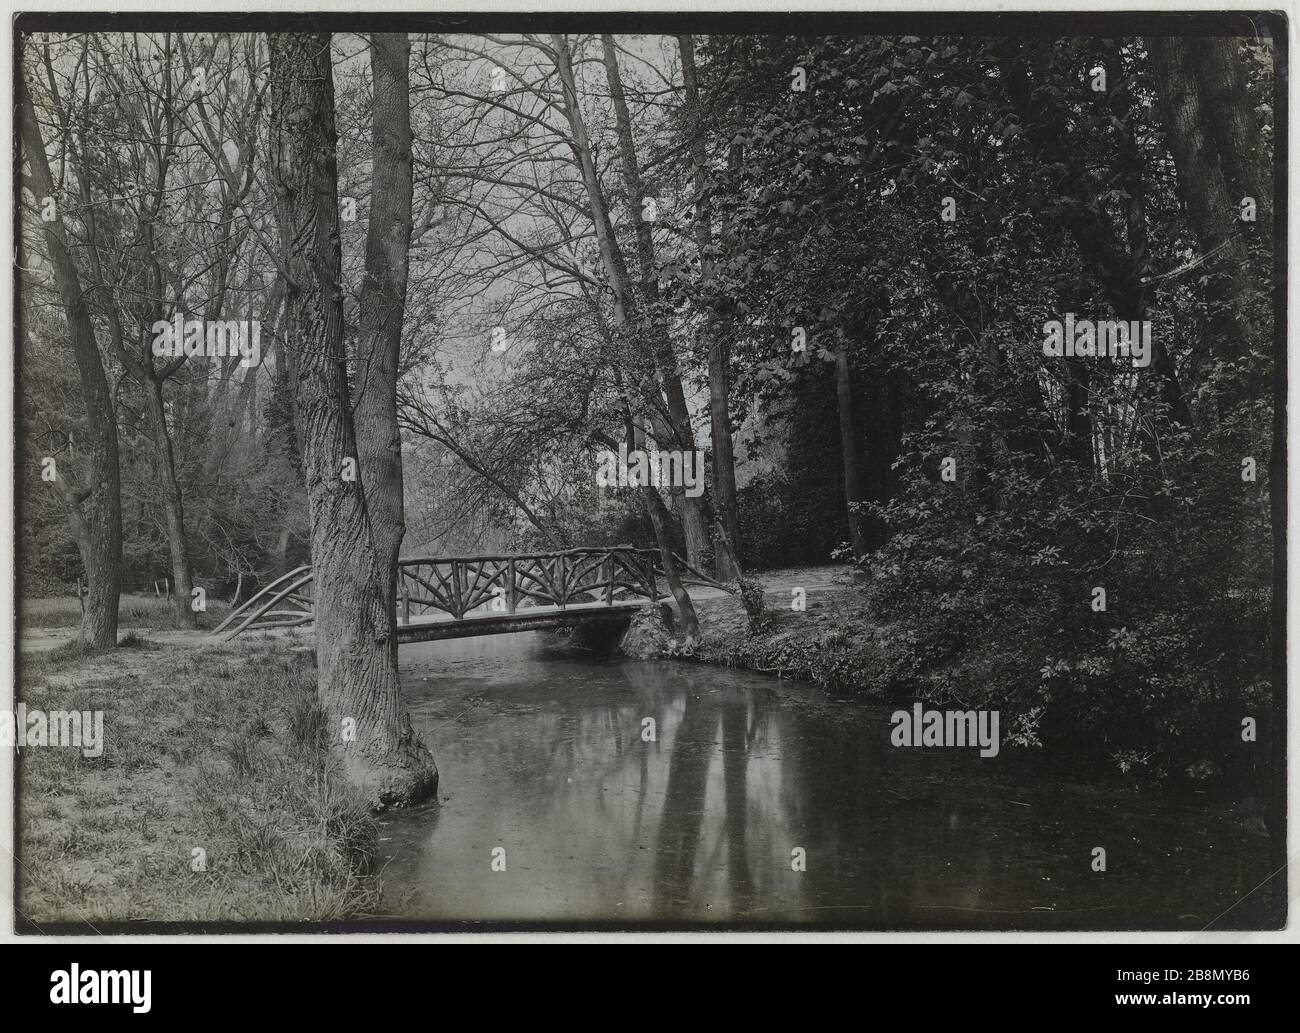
[861,646]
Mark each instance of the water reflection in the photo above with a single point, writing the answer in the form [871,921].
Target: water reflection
[541,753]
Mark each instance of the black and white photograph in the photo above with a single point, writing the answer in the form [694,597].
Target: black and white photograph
[630,472]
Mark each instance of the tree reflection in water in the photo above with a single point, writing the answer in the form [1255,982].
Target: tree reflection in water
[541,753]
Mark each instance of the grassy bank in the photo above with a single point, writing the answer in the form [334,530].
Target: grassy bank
[214,798]
[136,611]
[834,642]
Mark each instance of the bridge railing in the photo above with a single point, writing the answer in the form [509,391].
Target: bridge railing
[459,585]
[286,602]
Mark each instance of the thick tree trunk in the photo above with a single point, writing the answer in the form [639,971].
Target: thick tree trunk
[95,509]
[355,653]
[173,505]
[383,303]
[1246,164]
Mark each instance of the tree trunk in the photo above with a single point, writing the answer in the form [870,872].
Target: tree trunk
[695,525]
[173,505]
[881,419]
[660,518]
[1233,125]
[94,510]
[1129,294]
[1212,210]
[726,562]
[855,474]
[609,252]
[281,552]
[355,632]
[383,304]
[1248,171]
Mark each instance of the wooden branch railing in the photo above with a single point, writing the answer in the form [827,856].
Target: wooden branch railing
[259,610]
[508,584]
[457,585]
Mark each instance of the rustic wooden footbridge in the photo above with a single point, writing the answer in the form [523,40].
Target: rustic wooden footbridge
[463,596]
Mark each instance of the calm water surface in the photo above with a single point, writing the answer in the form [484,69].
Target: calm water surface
[540,751]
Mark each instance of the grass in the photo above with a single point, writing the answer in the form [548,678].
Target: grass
[135,610]
[215,798]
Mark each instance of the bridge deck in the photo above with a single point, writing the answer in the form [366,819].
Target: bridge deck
[436,627]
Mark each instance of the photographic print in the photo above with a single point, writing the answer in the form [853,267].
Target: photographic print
[641,472]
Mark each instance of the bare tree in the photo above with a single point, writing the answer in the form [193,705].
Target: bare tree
[727,564]
[648,313]
[95,506]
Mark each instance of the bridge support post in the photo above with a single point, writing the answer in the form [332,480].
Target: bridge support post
[458,597]
[510,585]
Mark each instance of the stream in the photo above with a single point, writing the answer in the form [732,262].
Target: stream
[554,808]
